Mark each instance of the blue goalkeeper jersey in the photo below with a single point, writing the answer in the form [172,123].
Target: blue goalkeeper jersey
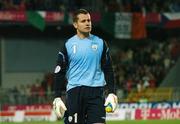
[84,62]
[84,58]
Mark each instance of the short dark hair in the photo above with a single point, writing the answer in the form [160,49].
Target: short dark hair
[79,11]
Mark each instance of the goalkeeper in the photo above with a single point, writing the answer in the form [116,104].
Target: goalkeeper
[86,64]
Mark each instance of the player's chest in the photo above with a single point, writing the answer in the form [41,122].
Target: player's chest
[89,49]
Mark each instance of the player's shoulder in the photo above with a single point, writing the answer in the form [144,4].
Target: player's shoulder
[71,39]
[100,39]
[97,38]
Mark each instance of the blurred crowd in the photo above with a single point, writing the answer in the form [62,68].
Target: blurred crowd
[40,91]
[142,5]
[145,66]
[93,5]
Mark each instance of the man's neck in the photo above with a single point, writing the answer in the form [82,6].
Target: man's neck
[83,35]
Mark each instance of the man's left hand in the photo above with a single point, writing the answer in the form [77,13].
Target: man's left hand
[112,100]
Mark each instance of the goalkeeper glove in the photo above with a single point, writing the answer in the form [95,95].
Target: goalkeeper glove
[59,107]
[111,102]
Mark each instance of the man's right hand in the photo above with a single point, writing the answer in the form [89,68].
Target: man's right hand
[59,107]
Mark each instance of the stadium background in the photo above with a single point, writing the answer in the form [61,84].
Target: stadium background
[144,41]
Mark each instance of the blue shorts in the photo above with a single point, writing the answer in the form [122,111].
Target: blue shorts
[85,105]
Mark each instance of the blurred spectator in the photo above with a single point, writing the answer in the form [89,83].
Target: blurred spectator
[167,62]
[152,81]
[15,95]
[35,91]
[22,96]
[41,95]
[140,86]
[174,49]
[28,94]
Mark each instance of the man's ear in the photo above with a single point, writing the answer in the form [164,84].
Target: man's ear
[75,25]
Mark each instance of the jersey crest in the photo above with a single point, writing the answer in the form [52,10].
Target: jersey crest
[94,47]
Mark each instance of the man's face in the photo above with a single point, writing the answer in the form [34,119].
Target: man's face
[83,24]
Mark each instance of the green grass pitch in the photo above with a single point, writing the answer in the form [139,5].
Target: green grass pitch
[108,122]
